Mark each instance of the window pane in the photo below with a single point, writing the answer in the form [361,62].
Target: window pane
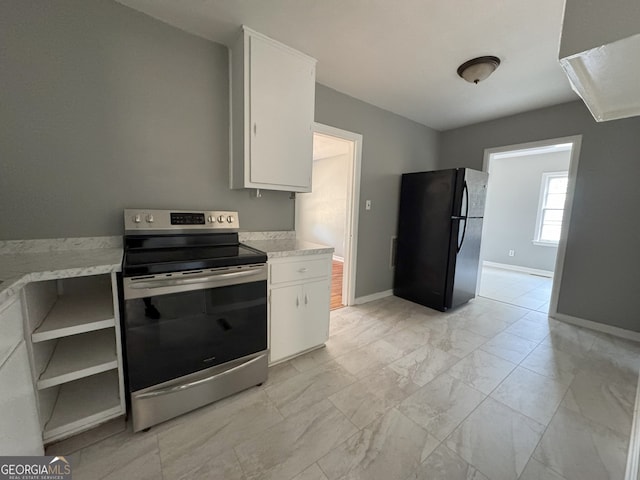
[550,233]
[551,212]
[555,200]
[558,184]
[552,217]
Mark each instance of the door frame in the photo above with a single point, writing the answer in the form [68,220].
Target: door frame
[353,208]
[576,141]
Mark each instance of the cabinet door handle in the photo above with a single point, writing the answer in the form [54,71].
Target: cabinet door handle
[302,270]
[306,299]
[255,128]
[297,302]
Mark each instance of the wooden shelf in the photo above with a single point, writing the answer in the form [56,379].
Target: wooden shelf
[84,403]
[80,356]
[77,313]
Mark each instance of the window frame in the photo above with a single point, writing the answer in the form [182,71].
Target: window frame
[544,190]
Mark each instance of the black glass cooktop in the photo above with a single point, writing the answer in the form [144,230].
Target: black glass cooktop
[149,261]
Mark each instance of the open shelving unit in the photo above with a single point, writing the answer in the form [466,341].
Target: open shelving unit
[88,401]
[77,313]
[76,353]
[80,356]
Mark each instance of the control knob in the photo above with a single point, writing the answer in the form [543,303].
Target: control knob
[230,219]
[137,219]
[221,218]
[211,219]
[149,218]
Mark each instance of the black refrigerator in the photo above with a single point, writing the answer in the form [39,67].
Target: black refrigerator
[439,230]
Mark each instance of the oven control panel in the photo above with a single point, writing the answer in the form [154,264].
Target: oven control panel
[138,220]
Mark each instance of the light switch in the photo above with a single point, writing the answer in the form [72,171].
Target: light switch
[367,205]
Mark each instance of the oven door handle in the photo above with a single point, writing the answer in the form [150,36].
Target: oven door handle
[176,282]
[185,386]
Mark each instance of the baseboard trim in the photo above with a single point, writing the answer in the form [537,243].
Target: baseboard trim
[633,455]
[373,296]
[599,327]
[518,268]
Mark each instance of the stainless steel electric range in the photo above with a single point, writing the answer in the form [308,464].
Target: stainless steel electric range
[194,311]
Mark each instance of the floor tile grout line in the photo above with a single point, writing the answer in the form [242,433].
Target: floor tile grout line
[244,473]
[485,399]
[545,431]
[159,456]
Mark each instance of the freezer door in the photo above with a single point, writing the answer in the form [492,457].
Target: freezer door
[475,191]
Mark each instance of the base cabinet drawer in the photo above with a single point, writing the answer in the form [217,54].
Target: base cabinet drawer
[298,271]
[299,318]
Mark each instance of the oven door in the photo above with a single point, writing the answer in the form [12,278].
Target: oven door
[181,323]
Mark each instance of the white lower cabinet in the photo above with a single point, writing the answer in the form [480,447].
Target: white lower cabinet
[19,426]
[299,306]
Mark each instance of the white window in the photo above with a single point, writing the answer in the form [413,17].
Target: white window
[553,193]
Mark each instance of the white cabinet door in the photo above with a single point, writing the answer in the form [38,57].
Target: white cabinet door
[299,318]
[19,422]
[287,332]
[272,113]
[282,91]
[316,298]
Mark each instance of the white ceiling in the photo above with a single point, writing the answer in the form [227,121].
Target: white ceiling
[402,55]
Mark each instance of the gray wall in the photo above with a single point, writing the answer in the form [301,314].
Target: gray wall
[511,210]
[322,214]
[105,108]
[600,277]
[391,145]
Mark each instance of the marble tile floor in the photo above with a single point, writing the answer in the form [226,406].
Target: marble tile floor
[489,391]
[516,288]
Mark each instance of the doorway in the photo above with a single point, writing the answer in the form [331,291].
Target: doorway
[328,215]
[528,207]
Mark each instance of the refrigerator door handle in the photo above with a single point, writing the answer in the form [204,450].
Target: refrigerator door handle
[465,196]
[464,231]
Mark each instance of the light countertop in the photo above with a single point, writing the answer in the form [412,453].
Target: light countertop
[288,247]
[22,262]
[18,269]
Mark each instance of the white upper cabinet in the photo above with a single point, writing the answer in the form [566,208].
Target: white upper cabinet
[272,114]
[599,51]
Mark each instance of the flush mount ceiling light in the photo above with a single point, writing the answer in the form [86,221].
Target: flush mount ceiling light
[477,69]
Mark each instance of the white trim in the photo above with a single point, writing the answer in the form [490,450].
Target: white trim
[564,231]
[576,141]
[633,455]
[353,208]
[544,244]
[337,258]
[373,296]
[563,147]
[518,268]
[597,326]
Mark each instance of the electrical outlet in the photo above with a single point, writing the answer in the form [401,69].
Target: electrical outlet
[512,253]
[367,205]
